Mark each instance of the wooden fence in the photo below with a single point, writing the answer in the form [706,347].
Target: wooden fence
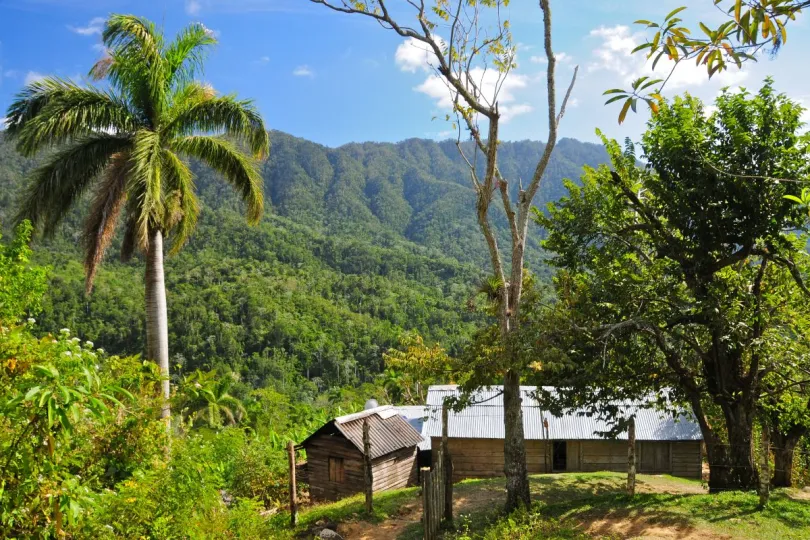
[433,486]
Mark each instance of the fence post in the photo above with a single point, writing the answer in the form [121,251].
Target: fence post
[764,476]
[631,458]
[427,504]
[447,466]
[293,490]
[368,473]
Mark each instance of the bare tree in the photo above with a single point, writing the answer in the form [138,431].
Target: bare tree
[470,48]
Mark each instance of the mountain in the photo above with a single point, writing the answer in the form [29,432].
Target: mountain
[359,243]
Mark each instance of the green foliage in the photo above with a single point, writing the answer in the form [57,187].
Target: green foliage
[60,434]
[687,273]
[749,28]
[21,285]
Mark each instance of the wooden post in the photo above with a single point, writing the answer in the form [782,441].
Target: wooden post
[368,473]
[764,476]
[547,457]
[427,504]
[293,490]
[447,465]
[631,458]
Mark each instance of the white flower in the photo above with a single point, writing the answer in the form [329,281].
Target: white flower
[67,353]
[65,331]
[88,344]
[75,340]
[101,351]
[31,320]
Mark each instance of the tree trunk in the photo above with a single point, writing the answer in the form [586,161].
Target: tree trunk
[514,448]
[157,321]
[731,465]
[784,446]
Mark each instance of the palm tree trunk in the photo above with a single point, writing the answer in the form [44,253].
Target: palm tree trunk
[157,321]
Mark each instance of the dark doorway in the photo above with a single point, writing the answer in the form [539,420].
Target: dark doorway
[560,458]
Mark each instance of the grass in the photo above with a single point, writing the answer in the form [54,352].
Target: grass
[386,504]
[565,505]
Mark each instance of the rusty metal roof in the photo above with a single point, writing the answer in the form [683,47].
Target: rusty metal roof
[484,419]
[388,430]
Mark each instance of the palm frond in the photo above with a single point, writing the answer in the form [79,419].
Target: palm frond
[136,63]
[185,55]
[129,32]
[144,182]
[182,208]
[103,217]
[221,115]
[130,240]
[55,186]
[237,168]
[64,111]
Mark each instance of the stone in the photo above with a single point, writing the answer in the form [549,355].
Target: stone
[329,534]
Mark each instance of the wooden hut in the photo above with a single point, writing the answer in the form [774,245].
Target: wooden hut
[665,444]
[335,454]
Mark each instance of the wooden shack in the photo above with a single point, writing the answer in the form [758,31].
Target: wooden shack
[335,454]
[572,442]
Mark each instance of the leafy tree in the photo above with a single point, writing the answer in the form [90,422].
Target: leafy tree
[126,143]
[461,48]
[750,26]
[412,367]
[681,268]
[21,285]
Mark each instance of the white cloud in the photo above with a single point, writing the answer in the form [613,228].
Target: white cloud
[413,55]
[573,103]
[193,7]
[561,58]
[32,77]
[303,71]
[3,123]
[488,84]
[93,27]
[263,60]
[615,54]
[98,47]
[10,74]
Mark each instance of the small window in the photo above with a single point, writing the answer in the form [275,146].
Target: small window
[336,470]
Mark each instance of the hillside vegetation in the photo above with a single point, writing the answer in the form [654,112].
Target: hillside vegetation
[360,244]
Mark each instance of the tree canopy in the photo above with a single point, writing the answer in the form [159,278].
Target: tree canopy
[688,271]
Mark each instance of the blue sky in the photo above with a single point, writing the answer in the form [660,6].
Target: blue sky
[334,78]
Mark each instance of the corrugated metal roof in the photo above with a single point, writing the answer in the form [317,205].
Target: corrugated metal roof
[484,419]
[416,415]
[388,430]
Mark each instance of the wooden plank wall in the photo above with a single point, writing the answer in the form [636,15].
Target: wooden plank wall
[604,456]
[395,470]
[687,460]
[319,451]
[482,458]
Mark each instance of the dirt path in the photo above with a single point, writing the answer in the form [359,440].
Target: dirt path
[486,496]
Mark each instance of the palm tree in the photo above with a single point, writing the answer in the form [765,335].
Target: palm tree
[207,397]
[126,143]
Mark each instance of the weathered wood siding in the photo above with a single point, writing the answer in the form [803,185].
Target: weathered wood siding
[391,471]
[603,456]
[481,458]
[319,450]
[395,470]
[687,459]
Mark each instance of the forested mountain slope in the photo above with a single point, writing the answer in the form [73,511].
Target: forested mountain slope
[358,244]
